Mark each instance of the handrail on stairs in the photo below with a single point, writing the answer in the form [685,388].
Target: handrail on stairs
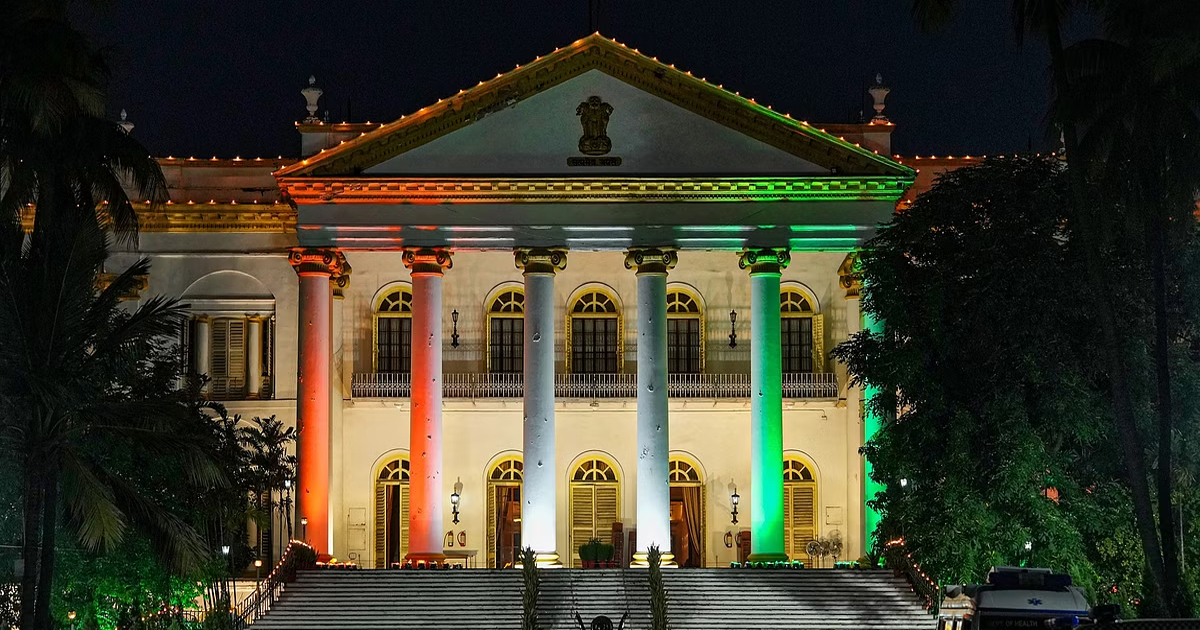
[900,560]
[298,555]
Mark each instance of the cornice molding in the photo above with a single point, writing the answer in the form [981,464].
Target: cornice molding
[304,191]
[206,217]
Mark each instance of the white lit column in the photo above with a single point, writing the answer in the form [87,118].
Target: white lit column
[653,426]
[254,348]
[315,267]
[425,422]
[202,346]
[539,523]
[766,404]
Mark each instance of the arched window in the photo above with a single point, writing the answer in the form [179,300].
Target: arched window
[802,333]
[594,328]
[393,332]
[506,332]
[391,513]
[799,508]
[595,503]
[504,512]
[685,333]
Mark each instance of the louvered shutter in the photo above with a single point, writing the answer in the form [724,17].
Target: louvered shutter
[380,526]
[218,362]
[607,511]
[583,518]
[492,516]
[803,517]
[403,520]
[788,525]
[237,358]
[818,339]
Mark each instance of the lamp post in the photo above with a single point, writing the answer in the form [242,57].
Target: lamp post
[733,500]
[229,567]
[454,335]
[71,616]
[732,329]
[257,571]
[454,497]
[287,506]
[304,529]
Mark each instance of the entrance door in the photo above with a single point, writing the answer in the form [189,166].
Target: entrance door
[391,513]
[504,513]
[688,514]
[799,510]
[595,504]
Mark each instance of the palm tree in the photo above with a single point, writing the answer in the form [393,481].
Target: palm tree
[1136,97]
[1045,18]
[269,444]
[71,360]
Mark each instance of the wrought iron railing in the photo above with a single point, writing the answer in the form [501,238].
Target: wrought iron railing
[901,561]
[298,555]
[381,385]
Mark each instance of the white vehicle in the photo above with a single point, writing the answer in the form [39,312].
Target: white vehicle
[1015,597]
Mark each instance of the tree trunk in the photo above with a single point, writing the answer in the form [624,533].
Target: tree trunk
[1162,370]
[46,574]
[1132,449]
[29,550]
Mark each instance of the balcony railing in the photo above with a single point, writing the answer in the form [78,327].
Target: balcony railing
[372,385]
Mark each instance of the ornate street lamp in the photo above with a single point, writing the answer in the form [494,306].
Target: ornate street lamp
[733,499]
[732,329]
[454,335]
[454,497]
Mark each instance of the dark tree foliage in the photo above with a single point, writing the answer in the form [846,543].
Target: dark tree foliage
[1004,432]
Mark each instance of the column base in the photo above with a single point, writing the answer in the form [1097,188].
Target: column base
[425,558]
[641,560]
[767,557]
[543,561]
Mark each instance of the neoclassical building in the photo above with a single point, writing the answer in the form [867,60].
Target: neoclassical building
[593,297]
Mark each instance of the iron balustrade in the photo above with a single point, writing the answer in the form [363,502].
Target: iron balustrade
[592,386]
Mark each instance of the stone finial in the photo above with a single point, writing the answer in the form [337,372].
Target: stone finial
[125,124]
[879,92]
[312,95]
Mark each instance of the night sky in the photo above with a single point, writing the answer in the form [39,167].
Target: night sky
[222,77]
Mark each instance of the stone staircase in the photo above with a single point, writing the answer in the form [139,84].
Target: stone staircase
[699,599]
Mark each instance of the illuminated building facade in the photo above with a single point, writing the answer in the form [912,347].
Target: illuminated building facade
[593,297]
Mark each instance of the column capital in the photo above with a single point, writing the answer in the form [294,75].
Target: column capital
[427,260]
[256,318]
[764,260]
[323,261]
[340,280]
[203,319]
[651,259]
[850,276]
[535,260]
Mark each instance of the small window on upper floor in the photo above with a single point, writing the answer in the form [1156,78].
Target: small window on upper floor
[235,352]
[685,333]
[506,332]
[393,332]
[595,334]
[801,332]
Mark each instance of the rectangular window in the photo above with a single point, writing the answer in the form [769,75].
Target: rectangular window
[797,344]
[507,345]
[594,345]
[394,345]
[683,345]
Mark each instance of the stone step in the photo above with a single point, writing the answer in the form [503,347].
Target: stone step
[698,599]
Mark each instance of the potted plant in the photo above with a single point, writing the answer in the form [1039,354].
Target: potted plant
[605,555]
[588,552]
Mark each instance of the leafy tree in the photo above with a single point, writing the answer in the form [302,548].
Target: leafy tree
[1004,434]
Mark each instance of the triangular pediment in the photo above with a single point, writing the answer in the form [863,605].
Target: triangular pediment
[660,121]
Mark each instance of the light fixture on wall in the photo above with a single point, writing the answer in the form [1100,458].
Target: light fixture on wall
[454,335]
[733,500]
[454,497]
[732,329]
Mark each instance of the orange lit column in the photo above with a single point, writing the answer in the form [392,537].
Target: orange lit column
[315,267]
[425,423]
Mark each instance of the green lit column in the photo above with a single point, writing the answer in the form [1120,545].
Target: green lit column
[851,280]
[766,404]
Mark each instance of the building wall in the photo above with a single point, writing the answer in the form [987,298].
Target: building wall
[715,433]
